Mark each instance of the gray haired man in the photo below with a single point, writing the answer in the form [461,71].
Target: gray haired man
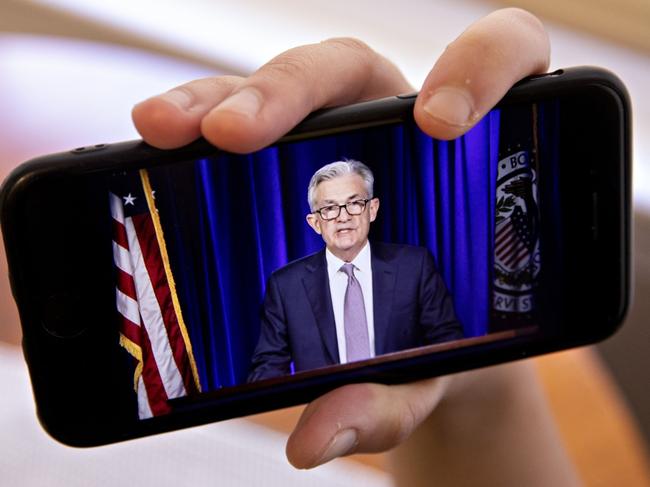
[352,300]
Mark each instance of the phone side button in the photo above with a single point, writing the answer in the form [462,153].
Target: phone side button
[407,96]
[90,148]
[554,74]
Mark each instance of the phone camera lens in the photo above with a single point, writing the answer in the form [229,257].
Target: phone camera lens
[62,315]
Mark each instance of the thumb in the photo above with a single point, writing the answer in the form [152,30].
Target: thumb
[478,68]
[361,418]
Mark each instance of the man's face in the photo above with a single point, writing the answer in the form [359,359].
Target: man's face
[345,235]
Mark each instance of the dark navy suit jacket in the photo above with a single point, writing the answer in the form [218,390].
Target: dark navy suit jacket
[411,308]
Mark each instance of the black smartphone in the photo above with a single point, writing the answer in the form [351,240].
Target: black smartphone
[164,289]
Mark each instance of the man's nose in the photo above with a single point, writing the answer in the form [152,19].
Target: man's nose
[343,214]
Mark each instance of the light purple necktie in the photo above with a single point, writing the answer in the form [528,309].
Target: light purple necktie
[357,343]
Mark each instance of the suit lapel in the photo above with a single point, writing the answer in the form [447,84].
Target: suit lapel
[383,290]
[317,287]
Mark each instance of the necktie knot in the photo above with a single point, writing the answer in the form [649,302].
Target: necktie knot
[347,269]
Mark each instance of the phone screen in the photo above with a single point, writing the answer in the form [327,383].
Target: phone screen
[226,278]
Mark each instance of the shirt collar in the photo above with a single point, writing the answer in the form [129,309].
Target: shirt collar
[361,261]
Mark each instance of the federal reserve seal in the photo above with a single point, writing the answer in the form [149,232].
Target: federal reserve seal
[516,235]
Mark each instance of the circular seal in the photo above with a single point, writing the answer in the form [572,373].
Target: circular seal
[516,235]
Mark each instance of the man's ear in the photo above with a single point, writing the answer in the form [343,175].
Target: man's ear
[374,208]
[313,222]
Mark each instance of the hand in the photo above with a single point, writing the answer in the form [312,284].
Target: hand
[246,114]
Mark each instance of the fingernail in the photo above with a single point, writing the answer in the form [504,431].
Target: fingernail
[245,102]
[342,443]
[452,106]
[183,99]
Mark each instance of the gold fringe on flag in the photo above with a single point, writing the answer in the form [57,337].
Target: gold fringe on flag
[144,176]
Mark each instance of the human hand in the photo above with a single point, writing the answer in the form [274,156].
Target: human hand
[245,114]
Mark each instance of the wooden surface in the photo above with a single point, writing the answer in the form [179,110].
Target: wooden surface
[600,434]
[624,21]
[36,17]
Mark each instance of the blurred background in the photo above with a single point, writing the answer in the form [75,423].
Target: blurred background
[70,71]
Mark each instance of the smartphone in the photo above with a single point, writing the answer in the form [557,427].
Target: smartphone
[159,290]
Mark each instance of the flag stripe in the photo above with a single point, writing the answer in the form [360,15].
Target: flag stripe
[151,254]
[153,320]
[126,284]
[503,232]
[154,380]
[130,330]
[508,255]
[119,234]
[127,307]
[509,248]
[506,246]
[117,210]
[514,254]
[144,410]
[503,229]
[518,255]
[122,259]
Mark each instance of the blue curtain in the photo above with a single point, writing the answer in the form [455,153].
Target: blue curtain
[231,220]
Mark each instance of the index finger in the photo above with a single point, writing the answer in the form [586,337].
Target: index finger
[243,115]
[285,90]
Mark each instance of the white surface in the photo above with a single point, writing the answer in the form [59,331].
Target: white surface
[245,34]
[234,453]
[57,93]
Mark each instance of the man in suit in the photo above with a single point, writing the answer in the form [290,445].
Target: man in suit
[352,300]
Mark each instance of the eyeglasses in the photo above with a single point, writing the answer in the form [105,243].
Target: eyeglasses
[333,211]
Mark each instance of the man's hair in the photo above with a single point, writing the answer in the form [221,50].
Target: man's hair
[335,170]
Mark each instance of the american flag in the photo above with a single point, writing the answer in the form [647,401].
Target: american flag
[513,240]
[151,324]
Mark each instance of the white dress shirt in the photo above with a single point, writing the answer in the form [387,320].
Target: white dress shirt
[338,285]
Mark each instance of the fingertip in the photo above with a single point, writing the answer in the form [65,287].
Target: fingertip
[307,442]
[447,112]
[294,455]
[244,123]
[330,426]
[233,132]
[300,457]
[173,119]
[531,22]
[163,124]
[478,68]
